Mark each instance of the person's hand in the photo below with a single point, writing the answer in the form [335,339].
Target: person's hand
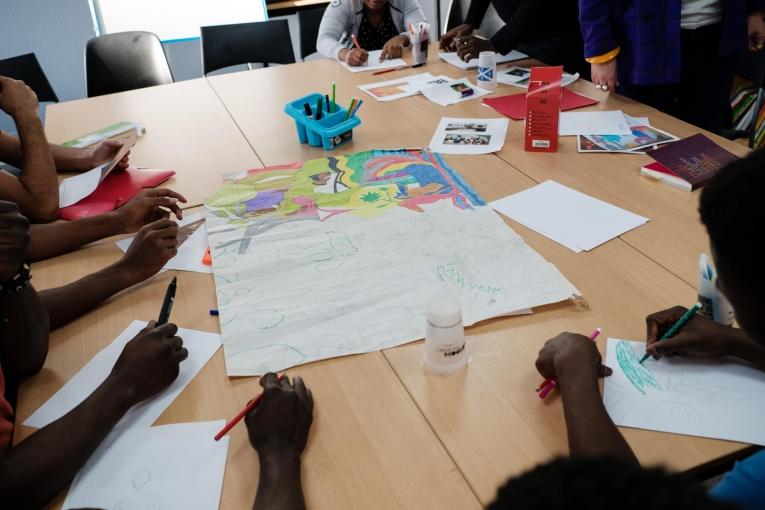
[354,57]
[756,31]
[698,337]
[146,207]
[448,39]
[150,362]
[604,76]
[105,151]
[278,426]
[152,247]
[16,98]
[14,238]
[571,353]
[394,48]
[472,46]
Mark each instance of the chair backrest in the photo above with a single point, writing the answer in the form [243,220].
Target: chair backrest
[27,69]
[309,22]
[125,61]
[261,42]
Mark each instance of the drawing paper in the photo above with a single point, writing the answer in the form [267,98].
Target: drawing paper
[721,399]
[374,64]
[593,123]
[448,93]
[453,59]
[396,89]
[469,136]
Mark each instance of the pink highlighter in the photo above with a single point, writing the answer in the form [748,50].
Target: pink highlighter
[548,384]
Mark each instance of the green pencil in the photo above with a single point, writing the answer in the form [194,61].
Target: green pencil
[676,327]
[334,104]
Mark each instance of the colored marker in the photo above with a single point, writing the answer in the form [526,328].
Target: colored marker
[307,108]
[676,327]
[329,108]
[214,312]
[356,42]
[167,304]
[350,108]
[236,419]
[318,109]
[551,382]
[207,258]
[356,108]
[334,104]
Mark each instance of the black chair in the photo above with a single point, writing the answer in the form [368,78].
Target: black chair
[309,22]
[27,69]
[262,42]
[125,61]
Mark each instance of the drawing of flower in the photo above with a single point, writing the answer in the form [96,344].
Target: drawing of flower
[371,197]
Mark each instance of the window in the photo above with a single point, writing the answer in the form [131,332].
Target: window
[174,20]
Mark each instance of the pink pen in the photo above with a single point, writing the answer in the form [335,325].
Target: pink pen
[548,384]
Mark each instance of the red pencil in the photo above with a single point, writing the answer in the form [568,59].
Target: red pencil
[389,70]
[236,419]
[548,384]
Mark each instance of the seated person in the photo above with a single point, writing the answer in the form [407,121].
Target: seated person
[278,429]
[729,206]
[377,25]
[546,30]
[35,470]
[35,190]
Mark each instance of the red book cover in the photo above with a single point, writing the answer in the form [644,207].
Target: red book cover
[543,109]
[115,190]
[697,159]
[514,106]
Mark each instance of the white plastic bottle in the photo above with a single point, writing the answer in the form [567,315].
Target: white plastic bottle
[714,304]
[487,70]
[444,352]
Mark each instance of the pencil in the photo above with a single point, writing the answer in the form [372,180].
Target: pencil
[676,326]
[236,419]
[334,104]
[548,384]
[389,70]
[356,42]
[350,108]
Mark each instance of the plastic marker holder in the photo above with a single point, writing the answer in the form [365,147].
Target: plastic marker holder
[331,131]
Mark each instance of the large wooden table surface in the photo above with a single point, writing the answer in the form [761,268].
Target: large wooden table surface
[385,433]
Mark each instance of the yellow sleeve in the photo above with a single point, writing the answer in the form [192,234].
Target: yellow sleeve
[606,57]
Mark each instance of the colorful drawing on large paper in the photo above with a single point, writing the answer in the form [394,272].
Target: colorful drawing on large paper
[340,255]
[721,399]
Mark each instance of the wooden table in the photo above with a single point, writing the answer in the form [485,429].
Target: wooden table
[187,130]
[386,435]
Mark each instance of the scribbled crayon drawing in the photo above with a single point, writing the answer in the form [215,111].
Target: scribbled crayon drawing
[140,499]
[341,254]
[638,375]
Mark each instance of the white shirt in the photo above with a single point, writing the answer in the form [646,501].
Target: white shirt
[700,13]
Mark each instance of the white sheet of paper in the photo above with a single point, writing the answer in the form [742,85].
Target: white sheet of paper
[522,81]
[190,252]
[721,399]
[567,216]
[73,189]
[469,136]
[445,95]
[593,123]
[453,59]
[201,347]
[396,89]
[374,64]
[169,466]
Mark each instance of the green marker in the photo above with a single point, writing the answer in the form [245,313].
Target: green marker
[676,327]
[334,105]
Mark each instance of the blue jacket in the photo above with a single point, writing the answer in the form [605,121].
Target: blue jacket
[648,32]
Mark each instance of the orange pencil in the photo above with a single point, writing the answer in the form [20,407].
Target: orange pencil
[236,419]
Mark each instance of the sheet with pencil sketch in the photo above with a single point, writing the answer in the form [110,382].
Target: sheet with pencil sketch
[721,399]
[154,468]
[341,255]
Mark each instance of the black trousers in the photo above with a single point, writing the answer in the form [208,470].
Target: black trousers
[702,97]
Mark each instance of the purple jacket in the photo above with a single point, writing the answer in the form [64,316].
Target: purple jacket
[648,32]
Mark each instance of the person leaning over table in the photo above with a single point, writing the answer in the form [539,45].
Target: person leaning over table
[678,56]
[377,25]
[36,469]
[603,470]
[35,190]
[547,30]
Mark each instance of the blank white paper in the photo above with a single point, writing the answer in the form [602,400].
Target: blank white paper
[469,136]
[453,59]
[170,466]
[567,216]
[593,123]
[721,399]
[193,233]
[201,347]
[445,95]
[374,64]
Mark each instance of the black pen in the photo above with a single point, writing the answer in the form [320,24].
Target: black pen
[167,304]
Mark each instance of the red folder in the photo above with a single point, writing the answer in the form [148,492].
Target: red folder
[514,106]
[115,190]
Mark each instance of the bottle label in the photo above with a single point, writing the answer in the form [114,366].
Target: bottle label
[485,74]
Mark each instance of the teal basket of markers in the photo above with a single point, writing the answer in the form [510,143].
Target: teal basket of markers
[334,125]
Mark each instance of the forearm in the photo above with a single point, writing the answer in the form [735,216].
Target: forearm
[49,240]
[39,467]
[24,333]
[69,158]
[591,432]
[38,173]
[279,486]
[64,304]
